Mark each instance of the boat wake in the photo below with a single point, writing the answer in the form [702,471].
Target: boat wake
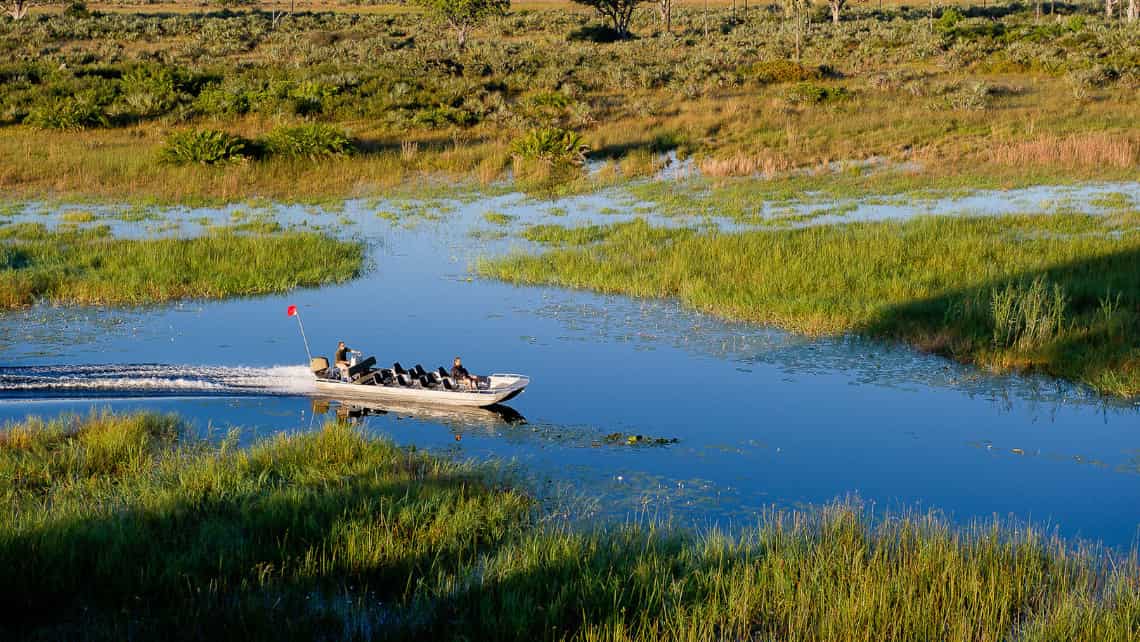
[151,379]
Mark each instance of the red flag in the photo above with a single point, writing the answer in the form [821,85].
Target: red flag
[291,311]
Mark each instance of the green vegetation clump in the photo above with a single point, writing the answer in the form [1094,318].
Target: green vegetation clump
[1058,294]
[88,267]
[333,534]
[498,218]
[551,145]
[770,72]
[202,146]
[67,114]
[311,141]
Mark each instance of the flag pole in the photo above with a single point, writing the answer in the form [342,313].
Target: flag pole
[300,324]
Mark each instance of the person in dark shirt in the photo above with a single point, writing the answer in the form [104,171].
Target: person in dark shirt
[340,359]
[460,374]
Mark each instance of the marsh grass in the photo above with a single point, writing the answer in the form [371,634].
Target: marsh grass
[336,535]
[1015,292]
[993,90]
[88,267]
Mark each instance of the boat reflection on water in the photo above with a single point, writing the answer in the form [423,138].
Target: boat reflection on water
[354,411]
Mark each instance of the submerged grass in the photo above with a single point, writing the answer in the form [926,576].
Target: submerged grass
[335,535]
[1056,294]
[89,267]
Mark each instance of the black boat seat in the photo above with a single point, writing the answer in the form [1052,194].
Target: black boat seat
[398,368]
[419,371]
[403,379]
[427,383]
[448,384]
[443,374]
[361,368]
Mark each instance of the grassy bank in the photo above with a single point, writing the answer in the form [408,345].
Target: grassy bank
[123,526]
[1055,294]
[89,267]
[88,102]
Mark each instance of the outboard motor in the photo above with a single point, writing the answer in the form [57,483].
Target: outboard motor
[318,365]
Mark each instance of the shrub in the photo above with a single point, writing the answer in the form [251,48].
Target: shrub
[444,115]
[205,146]
[813,94]
[770,72]
[77,9]
[222,101]
[311,141]
[67,113]
[552,145]
[150,91]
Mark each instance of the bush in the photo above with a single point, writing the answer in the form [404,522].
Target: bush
[150,91]
[308,141]
[205,146]
[813,94]
[67,113]
[77,9]
[771,72]
[552,145]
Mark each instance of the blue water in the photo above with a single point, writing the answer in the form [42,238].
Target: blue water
[762,417]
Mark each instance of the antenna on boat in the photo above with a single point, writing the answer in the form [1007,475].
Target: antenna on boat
[293,312]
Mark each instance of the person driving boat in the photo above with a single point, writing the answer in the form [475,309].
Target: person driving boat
[340,359]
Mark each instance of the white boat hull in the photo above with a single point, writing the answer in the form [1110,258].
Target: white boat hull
[502,388]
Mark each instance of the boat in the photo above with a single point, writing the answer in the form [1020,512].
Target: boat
[364,382]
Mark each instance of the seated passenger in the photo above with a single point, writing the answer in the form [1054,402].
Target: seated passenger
[461,376]
[340,359]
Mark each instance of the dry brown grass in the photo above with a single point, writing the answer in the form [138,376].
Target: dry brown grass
[1120,150]
[767,164]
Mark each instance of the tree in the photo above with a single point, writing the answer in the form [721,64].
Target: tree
[1133,10]
[836,8]
[17,9]
[665,10]
[798,12]
[619,12]
[463,15]
[1110,9]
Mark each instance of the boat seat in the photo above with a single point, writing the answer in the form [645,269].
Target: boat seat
[402,378]
[398,368]
[419,371]
[447,383]
[443,374]
[425,382]
[368,378]
[361,368]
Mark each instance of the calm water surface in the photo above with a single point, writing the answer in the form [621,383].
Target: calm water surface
[762,417]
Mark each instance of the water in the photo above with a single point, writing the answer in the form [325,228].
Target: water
[761,417]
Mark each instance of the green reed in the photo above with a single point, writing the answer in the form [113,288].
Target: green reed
[89,267]
[1022,292]
[127,526]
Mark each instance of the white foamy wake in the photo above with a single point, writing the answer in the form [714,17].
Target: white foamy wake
[30,381]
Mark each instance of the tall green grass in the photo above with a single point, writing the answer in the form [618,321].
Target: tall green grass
[88,267]
[124,526]
[1057,294]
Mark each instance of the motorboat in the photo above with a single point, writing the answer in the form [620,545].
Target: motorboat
[363,381]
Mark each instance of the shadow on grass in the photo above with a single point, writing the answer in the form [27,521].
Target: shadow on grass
[1098,343]
[246,563]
